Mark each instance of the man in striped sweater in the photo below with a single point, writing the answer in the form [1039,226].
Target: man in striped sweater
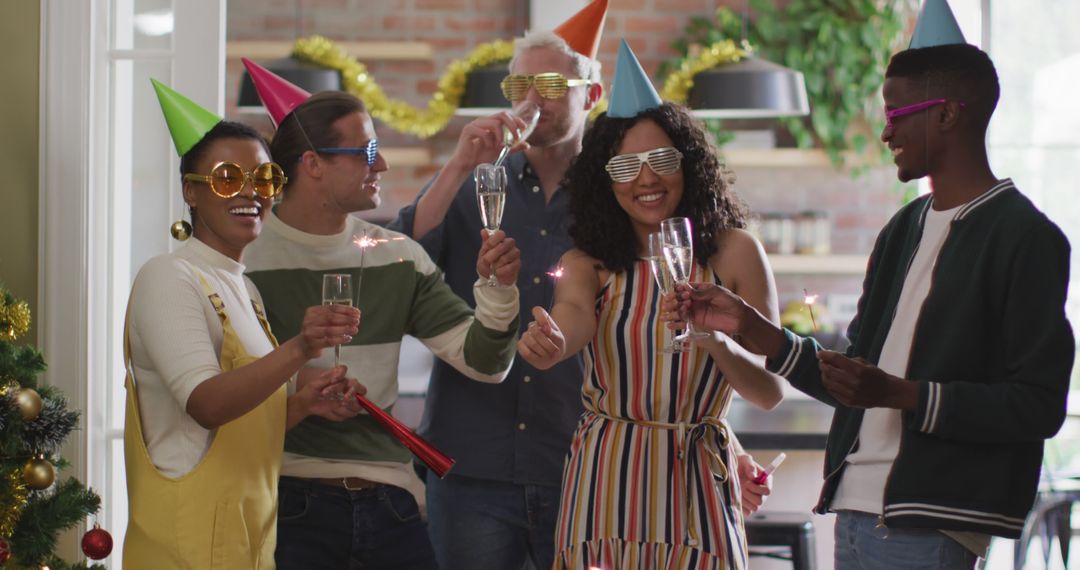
[348,492]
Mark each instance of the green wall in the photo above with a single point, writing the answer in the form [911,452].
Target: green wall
[20,35]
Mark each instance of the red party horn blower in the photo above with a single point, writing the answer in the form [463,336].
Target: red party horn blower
[436,460]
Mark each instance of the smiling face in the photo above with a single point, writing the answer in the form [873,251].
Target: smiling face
[228,224]
[911,138]
[352,185]
[650,197]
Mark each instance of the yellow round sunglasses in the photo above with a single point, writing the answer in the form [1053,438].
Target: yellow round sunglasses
[227,179]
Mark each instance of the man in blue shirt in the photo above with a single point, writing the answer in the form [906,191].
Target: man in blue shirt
[498,507]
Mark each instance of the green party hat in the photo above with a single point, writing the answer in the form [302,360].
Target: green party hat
[188,121]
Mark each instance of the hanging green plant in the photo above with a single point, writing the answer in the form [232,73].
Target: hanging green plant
[841,47]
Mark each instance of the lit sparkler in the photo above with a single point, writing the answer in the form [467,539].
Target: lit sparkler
[366,242]
[810,300]
[555,276]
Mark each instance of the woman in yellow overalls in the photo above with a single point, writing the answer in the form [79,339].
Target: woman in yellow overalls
[207,402]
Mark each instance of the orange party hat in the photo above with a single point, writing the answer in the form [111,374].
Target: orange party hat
[582,30]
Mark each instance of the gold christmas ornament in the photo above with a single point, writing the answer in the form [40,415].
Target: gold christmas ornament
[29,403]
[180,230]
[39,473]
[14,318]
[677,86]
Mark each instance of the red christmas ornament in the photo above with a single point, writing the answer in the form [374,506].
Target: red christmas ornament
[97,543]
[5,550]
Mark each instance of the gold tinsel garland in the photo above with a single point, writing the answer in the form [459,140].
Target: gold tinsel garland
[677,85]
[14,319]
[14,494]
[399,115]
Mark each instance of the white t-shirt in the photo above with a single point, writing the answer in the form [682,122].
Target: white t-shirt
[176,339]
[862,487]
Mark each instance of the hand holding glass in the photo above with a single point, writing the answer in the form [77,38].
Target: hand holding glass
[491,197]
[678,247]
[337,290]
[530,113]
[664,281]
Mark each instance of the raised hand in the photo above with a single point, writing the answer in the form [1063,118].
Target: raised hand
[542,344]
[501,253]
[482,139]
[711,307]
[327,325]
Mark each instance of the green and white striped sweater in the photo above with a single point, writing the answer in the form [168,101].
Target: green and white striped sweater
[399,291]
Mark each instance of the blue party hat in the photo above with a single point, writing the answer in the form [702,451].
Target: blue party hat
[936,26]
[632,91]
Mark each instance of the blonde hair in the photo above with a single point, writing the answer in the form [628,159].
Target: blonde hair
[585,67]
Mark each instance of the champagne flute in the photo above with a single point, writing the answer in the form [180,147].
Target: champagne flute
[664,280]
[530,113]
[678,247]
[491,196]
[337,290]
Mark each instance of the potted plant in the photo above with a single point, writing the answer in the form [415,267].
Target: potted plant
[840,46]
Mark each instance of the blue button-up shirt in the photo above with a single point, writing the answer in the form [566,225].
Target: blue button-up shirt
[520,430]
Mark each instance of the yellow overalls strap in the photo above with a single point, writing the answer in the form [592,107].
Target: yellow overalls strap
[223,513]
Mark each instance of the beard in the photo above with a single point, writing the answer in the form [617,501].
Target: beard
[553,130]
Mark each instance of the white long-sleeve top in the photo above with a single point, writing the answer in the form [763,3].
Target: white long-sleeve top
[176,339]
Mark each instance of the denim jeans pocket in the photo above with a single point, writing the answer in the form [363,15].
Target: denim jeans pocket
[401,505]
[292,504]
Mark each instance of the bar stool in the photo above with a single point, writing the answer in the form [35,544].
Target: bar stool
[1050,518]
[794,531]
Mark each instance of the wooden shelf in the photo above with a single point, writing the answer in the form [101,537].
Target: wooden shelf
[364,51]
[818,264]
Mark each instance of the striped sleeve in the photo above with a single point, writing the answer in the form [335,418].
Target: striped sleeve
[926,418]
[481,346]
[797,362]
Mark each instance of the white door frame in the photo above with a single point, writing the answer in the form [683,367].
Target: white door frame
[84,220]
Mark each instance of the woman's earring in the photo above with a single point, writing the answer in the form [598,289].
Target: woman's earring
[181,229]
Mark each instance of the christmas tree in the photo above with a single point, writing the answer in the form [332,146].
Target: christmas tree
[34,422]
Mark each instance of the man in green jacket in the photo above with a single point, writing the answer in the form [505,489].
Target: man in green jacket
[960,355]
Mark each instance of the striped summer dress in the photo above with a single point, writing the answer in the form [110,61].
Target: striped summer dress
[646,485]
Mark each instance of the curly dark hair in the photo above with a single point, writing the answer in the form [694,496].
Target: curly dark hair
[602,229]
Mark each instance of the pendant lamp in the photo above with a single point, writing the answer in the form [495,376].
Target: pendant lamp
[751,88]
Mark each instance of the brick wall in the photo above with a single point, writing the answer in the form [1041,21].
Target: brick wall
[453,27]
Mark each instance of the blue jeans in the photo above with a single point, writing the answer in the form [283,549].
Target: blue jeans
[862,545]
[320,526]
[478,524]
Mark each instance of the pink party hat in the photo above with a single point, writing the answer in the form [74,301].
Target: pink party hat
[278,95]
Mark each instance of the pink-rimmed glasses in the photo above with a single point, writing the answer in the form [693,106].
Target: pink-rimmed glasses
[892,114]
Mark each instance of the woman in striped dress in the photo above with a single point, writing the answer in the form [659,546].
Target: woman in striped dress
[651,480]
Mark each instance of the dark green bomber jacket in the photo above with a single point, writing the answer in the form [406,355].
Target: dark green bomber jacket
[992,353]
